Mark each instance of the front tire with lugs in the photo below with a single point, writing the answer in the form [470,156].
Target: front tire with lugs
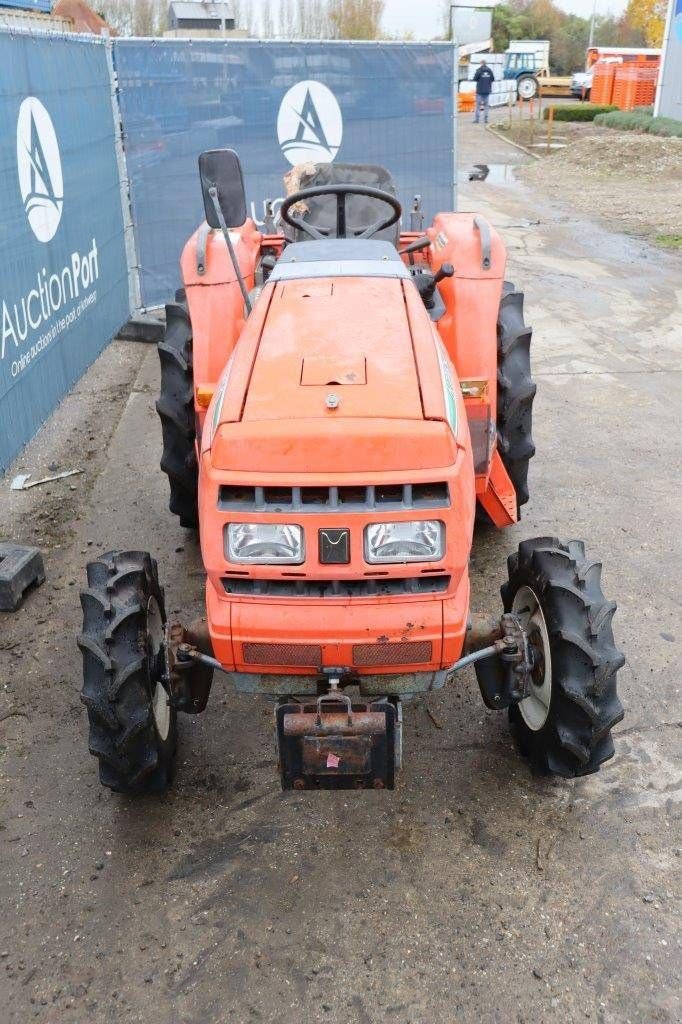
[564,725]
[133,730]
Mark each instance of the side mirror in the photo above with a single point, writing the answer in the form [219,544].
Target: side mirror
[220,169]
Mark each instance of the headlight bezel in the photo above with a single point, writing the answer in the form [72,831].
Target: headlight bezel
[436,555]
[235,558]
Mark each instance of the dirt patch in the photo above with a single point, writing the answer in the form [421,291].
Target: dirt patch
[630,179]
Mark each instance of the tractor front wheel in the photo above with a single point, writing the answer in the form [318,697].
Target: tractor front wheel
[176,411]
[133,729]
[564,724]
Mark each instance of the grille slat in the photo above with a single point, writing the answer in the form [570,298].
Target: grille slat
[385,587]
[370,498]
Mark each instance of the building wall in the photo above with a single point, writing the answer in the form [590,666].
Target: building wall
[205,33]
[208,23]
[11,18]
[33,5]
[669,95]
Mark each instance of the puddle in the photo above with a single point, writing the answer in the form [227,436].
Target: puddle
[493,174]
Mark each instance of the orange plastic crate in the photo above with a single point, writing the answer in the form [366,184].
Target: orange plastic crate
[602,83]
[635,85]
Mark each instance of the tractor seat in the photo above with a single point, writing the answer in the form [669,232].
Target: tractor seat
[339,257]
[361,211]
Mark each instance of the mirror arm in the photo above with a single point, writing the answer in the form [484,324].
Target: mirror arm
[213,192]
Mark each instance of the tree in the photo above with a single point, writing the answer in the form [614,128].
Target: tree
[649,17]
[355,19]
[568,34]
[243,16]
[135,17]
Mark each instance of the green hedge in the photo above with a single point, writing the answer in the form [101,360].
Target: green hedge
[641,120]
[577,111]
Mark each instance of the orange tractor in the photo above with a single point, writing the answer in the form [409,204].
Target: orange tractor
[337,397]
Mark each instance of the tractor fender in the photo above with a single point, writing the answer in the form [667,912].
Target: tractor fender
[472,296]
[214,299]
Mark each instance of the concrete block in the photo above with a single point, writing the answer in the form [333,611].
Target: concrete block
[20,568]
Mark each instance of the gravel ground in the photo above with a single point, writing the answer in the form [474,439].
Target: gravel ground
[631,181]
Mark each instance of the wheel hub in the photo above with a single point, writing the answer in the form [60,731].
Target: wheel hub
[535,707]
[156,661]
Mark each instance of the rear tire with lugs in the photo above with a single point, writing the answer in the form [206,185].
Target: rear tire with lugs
[515,391]
[176,411]
[564,725]
[133,730]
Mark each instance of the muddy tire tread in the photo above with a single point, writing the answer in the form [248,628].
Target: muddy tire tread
[584,707]
[132,756]
[515,390]
[175,407]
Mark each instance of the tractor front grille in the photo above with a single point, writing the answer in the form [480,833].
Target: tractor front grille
[381,497]
[378,655]
[383,587]
[295,655]
[404,652]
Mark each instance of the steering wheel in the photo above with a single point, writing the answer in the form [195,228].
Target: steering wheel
[341,192]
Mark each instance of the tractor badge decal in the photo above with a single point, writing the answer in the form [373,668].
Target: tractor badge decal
[309,123]
[40,169]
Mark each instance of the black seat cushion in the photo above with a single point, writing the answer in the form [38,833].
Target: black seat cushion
[361,211]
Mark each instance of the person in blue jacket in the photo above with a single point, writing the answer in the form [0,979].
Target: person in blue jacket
[484,79]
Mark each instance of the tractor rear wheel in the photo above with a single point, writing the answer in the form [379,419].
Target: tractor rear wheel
[515,391]
[133,730]
[176,411]
[564,725]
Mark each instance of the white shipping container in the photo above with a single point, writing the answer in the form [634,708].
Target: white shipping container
[495,62]
[500,94]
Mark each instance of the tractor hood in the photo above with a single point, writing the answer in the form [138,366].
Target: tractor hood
[327,340]
[335,373]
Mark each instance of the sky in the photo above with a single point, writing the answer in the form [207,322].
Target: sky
[424,17]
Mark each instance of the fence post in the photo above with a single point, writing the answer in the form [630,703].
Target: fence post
[126,202]
[550,122]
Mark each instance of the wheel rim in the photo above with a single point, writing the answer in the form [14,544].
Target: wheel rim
[159,695]
[526,88]
[535,707]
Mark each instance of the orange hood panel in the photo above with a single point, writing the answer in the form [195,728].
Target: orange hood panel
[344,336]
[334,446]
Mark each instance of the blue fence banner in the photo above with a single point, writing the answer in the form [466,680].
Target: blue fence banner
[63,277]
[277,104]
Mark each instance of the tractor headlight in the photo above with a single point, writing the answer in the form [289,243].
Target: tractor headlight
[419,541]
[265,543]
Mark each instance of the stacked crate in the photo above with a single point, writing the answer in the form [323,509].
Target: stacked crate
[634,85]
[466,102]
[602,82]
